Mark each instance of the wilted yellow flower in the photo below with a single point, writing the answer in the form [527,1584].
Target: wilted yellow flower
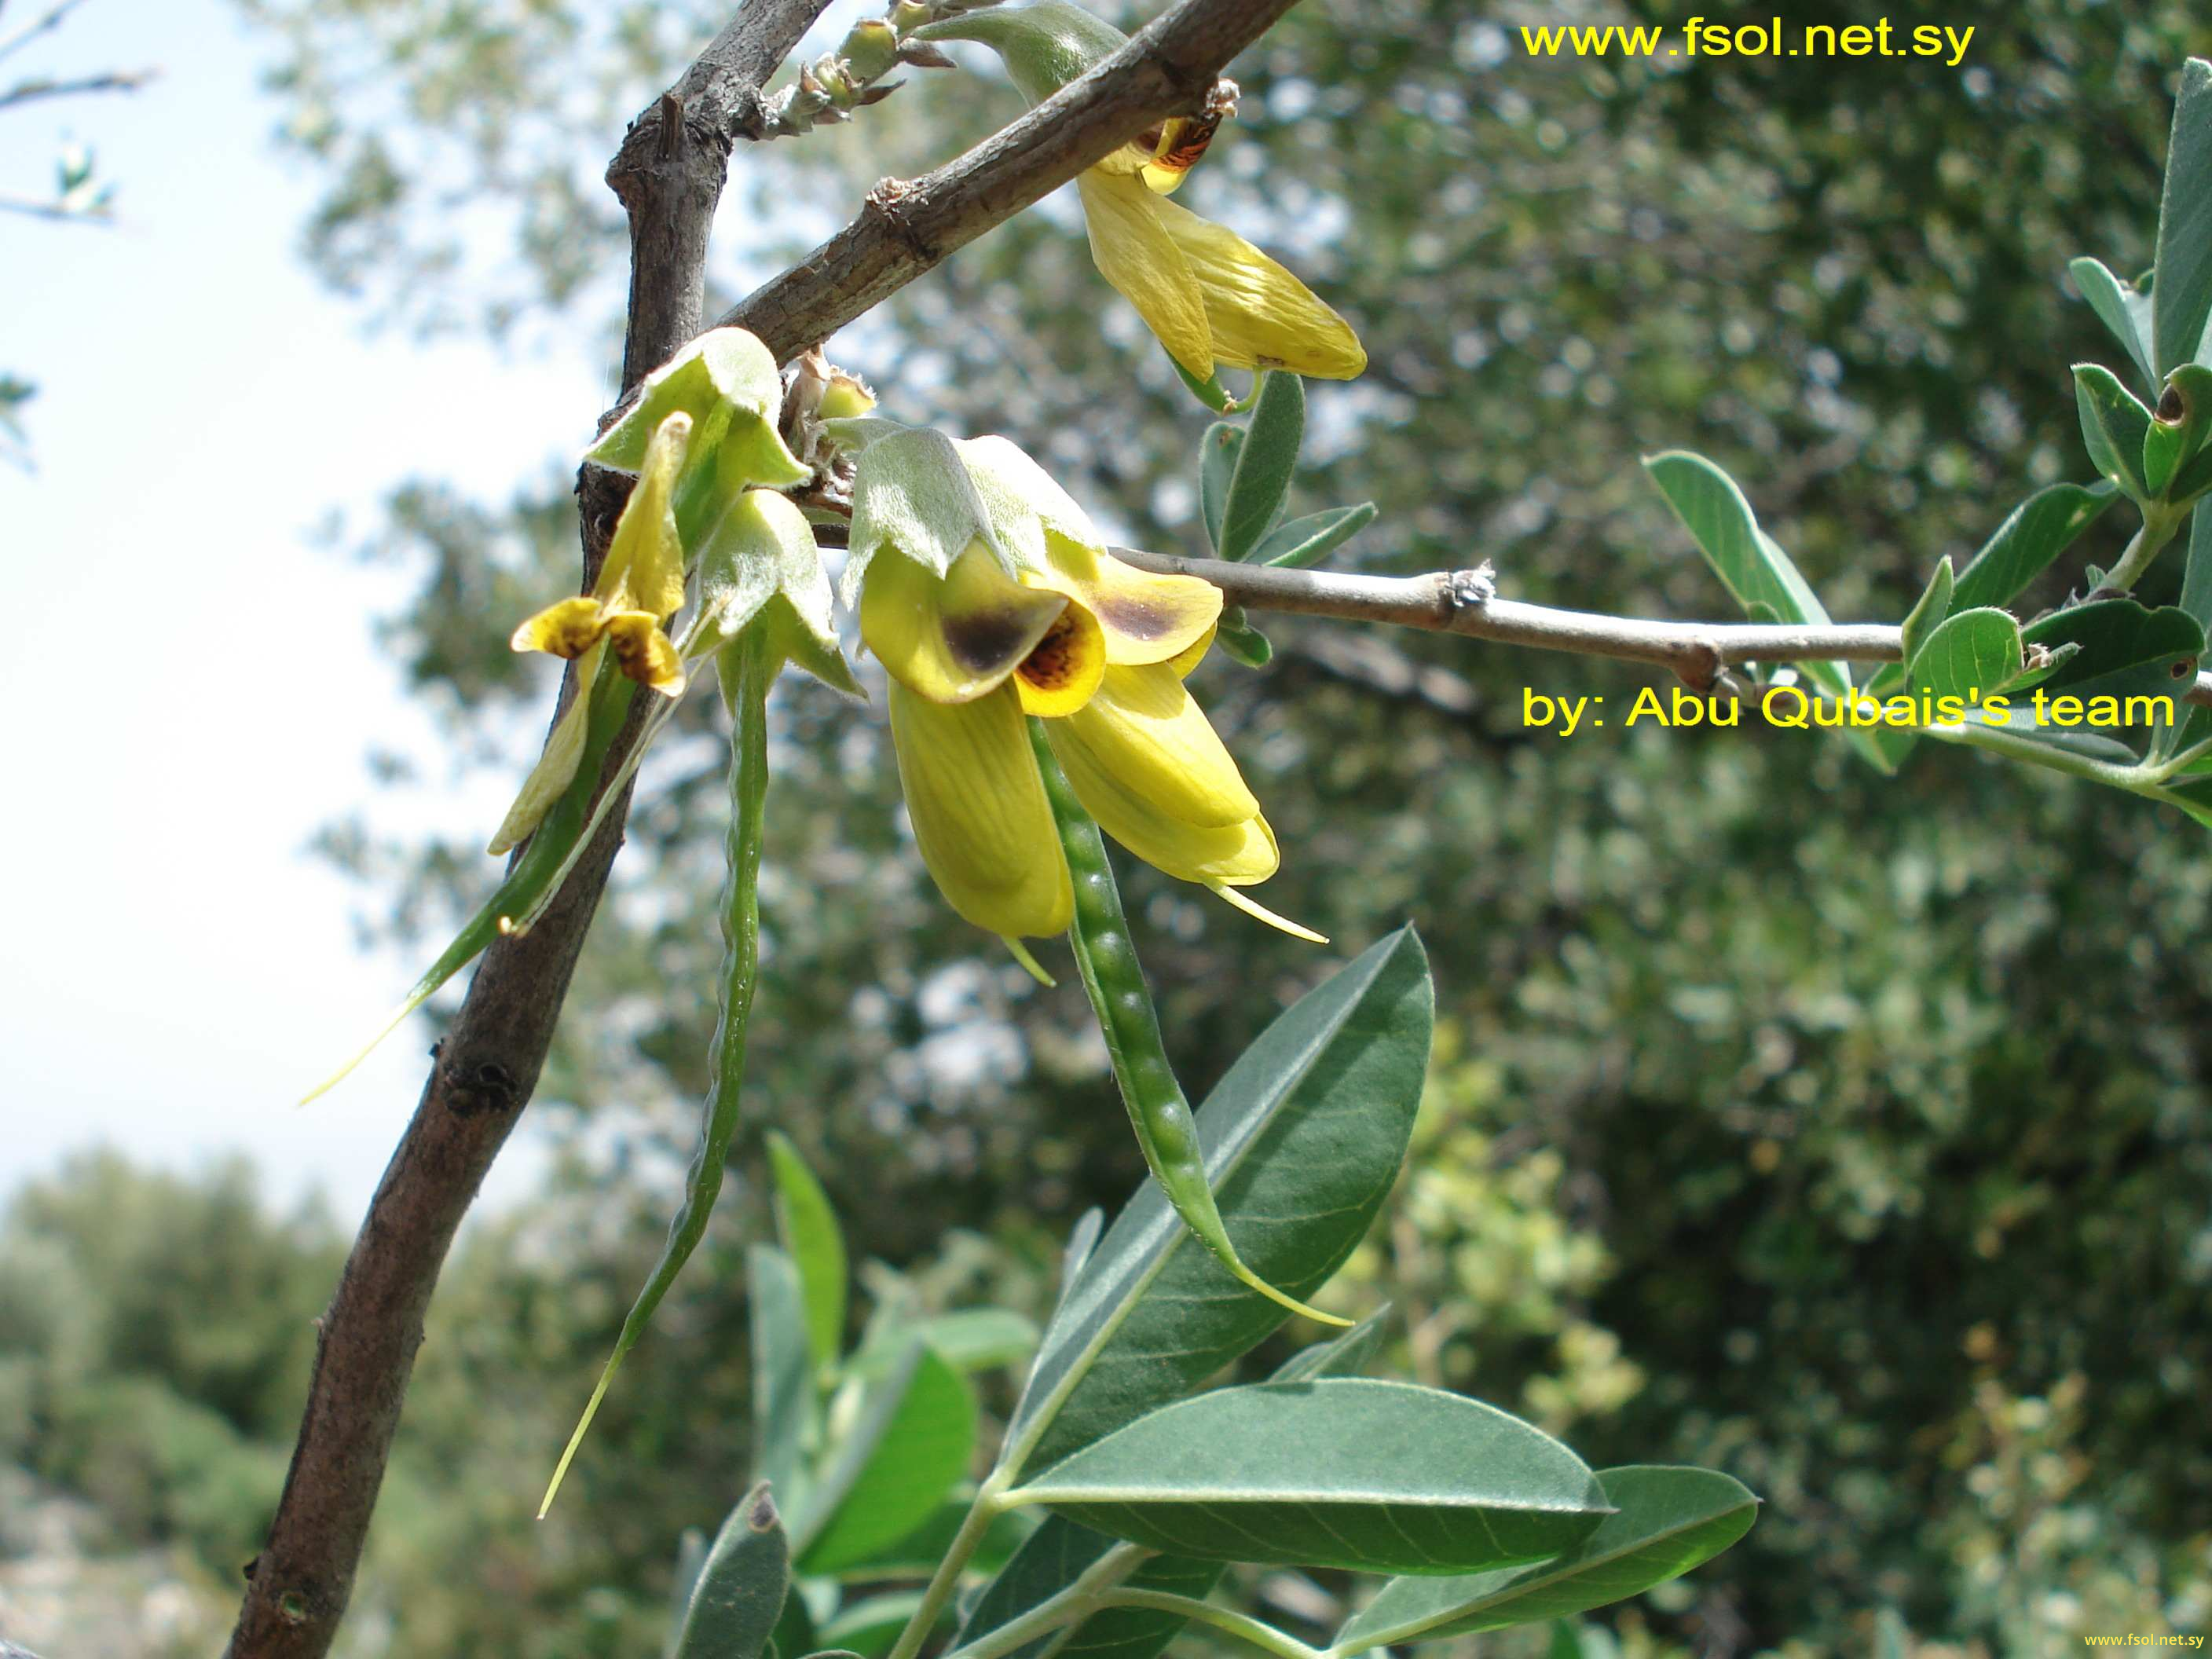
[1029,619]
[1210,296]
[640,586]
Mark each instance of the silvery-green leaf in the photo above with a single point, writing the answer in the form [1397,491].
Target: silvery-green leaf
[1302,1139]
[783,1372]
[1669,1521]
[1350,1473]
[1345,1354]
[740,1590]
[2181,298]
[2121,308]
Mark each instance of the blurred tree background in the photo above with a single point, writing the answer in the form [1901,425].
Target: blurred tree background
[1844,1134]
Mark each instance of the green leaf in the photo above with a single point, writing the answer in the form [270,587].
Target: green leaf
[979,1339]
[691,1562]
[783,1368]
[2121,308]
[1055,1555]
[1350,1473]
[1969,657]
[1242,641]
[2177,428]
[1891,1635]
[2197,575]
[2193,480]
[1265,465]
[2113,425]
[740,1591]
[2181,298]
[1217,464]
[2032,534]
[1303,1140]
[1670,1520]
[1346,1354]
[1745,559]
[871,1624]
[2126,650]
[2078,741]
[1927,614]
[794,1626]
[1309,540]
[908,1446]
[1082,1240]
[916,1554]
[808,1226]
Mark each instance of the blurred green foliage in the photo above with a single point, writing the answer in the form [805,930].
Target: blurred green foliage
[1846,1134]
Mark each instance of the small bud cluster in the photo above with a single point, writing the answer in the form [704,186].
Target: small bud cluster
[833,85]
[818,391]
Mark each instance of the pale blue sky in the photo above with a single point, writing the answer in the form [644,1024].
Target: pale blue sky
[191,678]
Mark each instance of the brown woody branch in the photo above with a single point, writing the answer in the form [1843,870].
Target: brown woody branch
[668,174]
[909,226]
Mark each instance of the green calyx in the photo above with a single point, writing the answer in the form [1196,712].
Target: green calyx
[758,565]
[1044,45]
[726,381]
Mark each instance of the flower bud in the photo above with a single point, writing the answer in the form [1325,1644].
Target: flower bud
[870,49]
[845,396]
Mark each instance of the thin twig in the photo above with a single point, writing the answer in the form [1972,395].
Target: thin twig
[1462,602]
[30,92]
[31,31]
[54,211]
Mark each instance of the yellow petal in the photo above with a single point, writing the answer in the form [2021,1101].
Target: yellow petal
[1144,730]
[1138,256]
[556,767]
[1236,854]
[1259,315]
[1060,675]
[644,653]
[980,813]
[644,567]
[1146,618]
[955,637]
[567,629]
[1192,654]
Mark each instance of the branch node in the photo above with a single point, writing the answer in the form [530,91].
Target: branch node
[1469,590]
[1703,666]
[888,201]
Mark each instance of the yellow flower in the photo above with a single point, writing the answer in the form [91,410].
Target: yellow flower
[1210,296]
[1098,649]
[640,586]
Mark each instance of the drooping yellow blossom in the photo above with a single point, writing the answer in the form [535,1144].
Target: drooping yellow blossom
[1211,297]
[1034,617]
[640,586]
